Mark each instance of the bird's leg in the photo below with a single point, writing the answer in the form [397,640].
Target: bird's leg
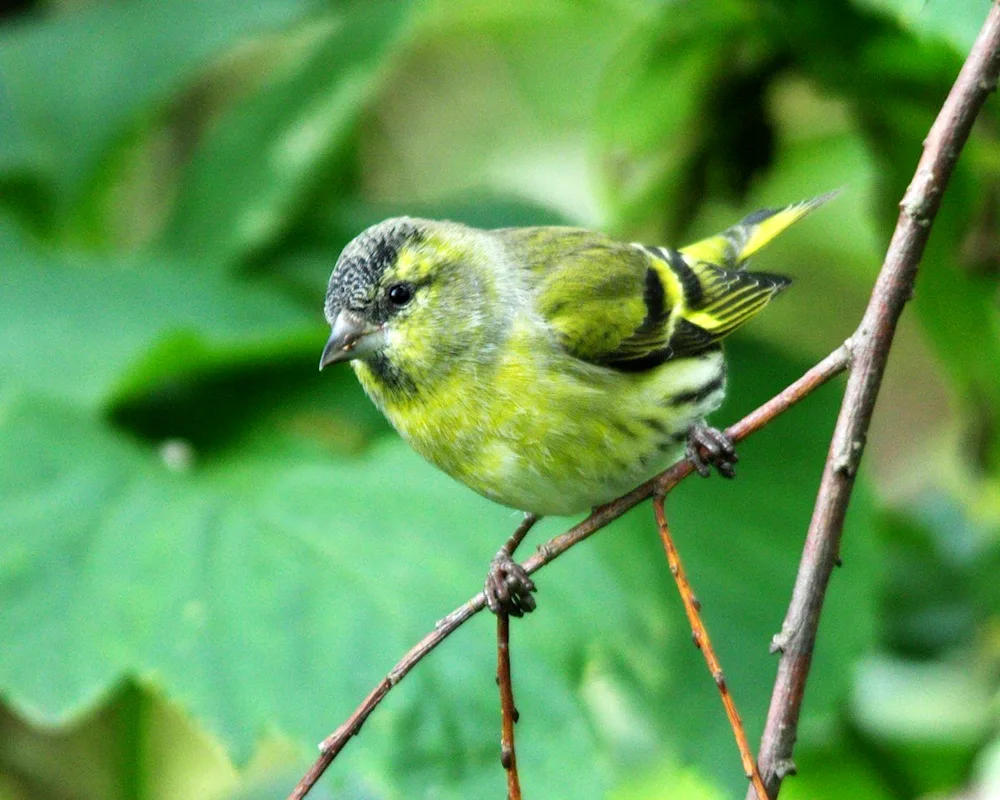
[719,451]
[508,587]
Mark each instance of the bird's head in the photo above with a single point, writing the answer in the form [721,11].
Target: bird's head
[410,298]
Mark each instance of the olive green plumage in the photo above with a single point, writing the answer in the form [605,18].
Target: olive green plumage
[550,369]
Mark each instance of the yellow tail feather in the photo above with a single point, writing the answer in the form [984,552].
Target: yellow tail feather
[736,244]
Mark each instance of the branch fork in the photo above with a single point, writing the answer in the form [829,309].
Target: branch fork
[866,352]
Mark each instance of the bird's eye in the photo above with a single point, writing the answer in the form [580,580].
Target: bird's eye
[400,294]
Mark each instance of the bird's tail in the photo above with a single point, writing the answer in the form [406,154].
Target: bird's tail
[732,247]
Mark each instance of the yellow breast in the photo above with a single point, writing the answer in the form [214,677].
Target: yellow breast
[542,432]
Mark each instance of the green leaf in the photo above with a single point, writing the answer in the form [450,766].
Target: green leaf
[683,783]
[713,66]
[263,158]
[271,591]
[77,82]
[256,592]
[837,769]
[932,716]
[956,23]
[282,408]
[937,559]
[92,330]
[131,743]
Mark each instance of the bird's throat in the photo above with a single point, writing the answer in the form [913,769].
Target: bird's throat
[384,381]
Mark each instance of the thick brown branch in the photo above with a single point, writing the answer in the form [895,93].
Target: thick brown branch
[704,643]
[508,711]
[828,368]
[870,345]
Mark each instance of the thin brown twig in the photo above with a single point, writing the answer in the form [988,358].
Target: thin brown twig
[870,348]
[871,343]
[704,643]
[508,711]
[827,369]
[519,533]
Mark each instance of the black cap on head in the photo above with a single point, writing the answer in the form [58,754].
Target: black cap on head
[363,261]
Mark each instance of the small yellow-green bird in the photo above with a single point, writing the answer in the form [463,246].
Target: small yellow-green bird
[550,369]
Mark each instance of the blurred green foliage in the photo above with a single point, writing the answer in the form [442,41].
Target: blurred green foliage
[209,553]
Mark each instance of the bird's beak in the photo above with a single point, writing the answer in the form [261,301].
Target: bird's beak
[350,338]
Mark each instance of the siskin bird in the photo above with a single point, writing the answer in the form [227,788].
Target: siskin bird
[550,369]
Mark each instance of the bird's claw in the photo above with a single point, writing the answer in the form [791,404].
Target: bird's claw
[508,587]
[719,451]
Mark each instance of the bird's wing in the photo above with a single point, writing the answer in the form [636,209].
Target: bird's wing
[632,307]
[715,300]
[604,300]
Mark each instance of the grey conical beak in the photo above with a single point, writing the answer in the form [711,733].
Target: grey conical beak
[350,337]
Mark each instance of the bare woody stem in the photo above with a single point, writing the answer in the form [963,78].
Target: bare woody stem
[508,711]
[870,349]
[704,643]
[828,368]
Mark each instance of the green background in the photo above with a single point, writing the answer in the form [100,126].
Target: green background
[209,553]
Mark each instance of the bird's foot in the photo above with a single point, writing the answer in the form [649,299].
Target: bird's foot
[719,451]
[508,587]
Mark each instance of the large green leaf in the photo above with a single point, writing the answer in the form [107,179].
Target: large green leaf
[77,83]
[272,590]
[262,159]
[92,329]
[259,593]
